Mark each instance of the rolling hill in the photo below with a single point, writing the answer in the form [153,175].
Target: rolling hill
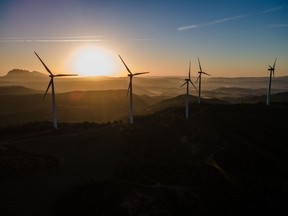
[227,159]
[17,90]
[77,106]
[213,87]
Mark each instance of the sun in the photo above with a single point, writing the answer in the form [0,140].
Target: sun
[93,61]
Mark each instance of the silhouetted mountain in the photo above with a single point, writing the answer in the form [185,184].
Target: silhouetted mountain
[23,75]
[16,90]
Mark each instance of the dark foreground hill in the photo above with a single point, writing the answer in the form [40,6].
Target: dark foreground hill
[225,160]
[281,97]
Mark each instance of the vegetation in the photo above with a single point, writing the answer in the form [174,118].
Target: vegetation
[225,160]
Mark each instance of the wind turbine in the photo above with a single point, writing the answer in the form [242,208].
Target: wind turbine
[199,79]
[130,74]
[271,69]
[51,83]
[187,90]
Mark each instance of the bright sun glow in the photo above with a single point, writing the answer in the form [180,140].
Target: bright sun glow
[93,61]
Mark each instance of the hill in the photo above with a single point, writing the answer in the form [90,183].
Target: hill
[281,97]
[225,160]
[212,87]
[179,101]
[19,105]
[16,90]
[77,106]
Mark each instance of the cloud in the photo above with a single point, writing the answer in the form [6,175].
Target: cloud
[273,9]
[188,27]
[227,19]
[53,39]
[184,28]
[141,39]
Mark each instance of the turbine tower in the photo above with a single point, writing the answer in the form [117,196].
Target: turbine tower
[187,90]
[130,74]
[199,79]
[51,83]
[271,69]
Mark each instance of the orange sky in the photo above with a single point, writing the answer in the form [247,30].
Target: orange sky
[231,39]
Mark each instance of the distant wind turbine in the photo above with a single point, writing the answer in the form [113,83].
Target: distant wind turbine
[199,79]
[271,69]
[187,90]
[130,74]
[51,83]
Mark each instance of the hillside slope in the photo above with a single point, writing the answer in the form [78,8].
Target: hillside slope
[225,160]
[78,106]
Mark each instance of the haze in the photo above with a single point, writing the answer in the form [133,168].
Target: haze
[232,38]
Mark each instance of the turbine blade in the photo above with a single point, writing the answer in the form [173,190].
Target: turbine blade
[50,83]
[125,65]
[61,75]
[197,78]
[193,85]
[48,70]
[199,65]
[274,63]
[140,73]
[128,90]
[189,70]
[183,84]
[206,73]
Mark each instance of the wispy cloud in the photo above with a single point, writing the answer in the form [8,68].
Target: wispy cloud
[53,39]
[188,27]
[227,19]
[184,28]
[141,39]
[273,9]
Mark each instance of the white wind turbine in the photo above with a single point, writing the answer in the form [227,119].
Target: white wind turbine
[199,79]
[271,69]
[51,83]
[187,90]
[130,88]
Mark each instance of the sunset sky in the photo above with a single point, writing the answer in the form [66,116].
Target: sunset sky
[231,37]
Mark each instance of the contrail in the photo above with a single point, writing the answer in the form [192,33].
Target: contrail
[53,39]
[189,27]
[273,9]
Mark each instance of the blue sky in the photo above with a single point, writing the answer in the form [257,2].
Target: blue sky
[232,38]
